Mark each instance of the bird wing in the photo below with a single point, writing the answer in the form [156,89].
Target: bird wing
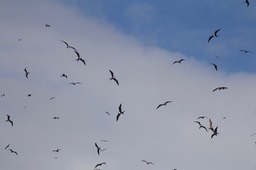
[117,117]
[116,81]
[120,108]
[209,39]
[159,106]
[111,72]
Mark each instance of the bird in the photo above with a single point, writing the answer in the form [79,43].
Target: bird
[98,148]
[64,75]
[215,66]
[26,72]
[68,46]
[107,112]
[100,164]
[78,55]
[104,140]
[113,77]
[245,51]
[214,35]
[29,95]
[2,95]
[215,132]
[9,120]
[12,151]
[120,111]
[47,25]
[201,126]
[147,162]
[56,150]
[219,88]
[75,83]
[52,98]
[210,125]
[163,104]
[201,117]
[247,3]
[56,117]
[178,61]
[7,147]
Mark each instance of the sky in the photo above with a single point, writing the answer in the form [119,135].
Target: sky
[138,41]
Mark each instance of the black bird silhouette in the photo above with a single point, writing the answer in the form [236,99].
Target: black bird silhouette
[215,66]
[163,104]
[113,77]
[98,148]
[68,46]
[2,95]
[26,72]
[120,111]
[64,75]
[7,147]
[12,151]
[47,25]
[9,120]
[219,88]
[75,83]
[201,117]
[56,117]
[52,98]
[213,35]
[201,126]
[100,164]
[245,51]
[29,95]
[78,55]
[178,61]
[147,162]
[247,3]
[107,112]
[210,125]
[56,150]
[215,132]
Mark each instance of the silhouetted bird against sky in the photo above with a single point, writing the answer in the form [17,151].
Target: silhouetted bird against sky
[12,151]
[215,66]
[219,88]
[56,150]
[47,25]
[210,125]
[163,104]
[29,95]
[113,77]
[215,132]
[201,126]
[26,72]
[56,117]
[120,111]
[247,3]
[68,46]
[98,148]
[82,60]
[245,51]
[75,83]
[148,162]
[9,120]
[64,75]
[100,164]
[178,61]
[213,35]
[201,117]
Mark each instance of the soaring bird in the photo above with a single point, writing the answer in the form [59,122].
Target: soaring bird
[47,25]
[107,112]
[75,83]
[98,148]
[215,66]
[100,164]
[201,117]
[178,61]
[56,150]
[64,75]
[215,132]
[9,120]
[26,72]
[219,88]
[12,151]
[247,3]
[113,77]
[68,46]
[213,35]
[201,126]
[56,117]
[245,51]
[120,111]
[163,104]
[147,162]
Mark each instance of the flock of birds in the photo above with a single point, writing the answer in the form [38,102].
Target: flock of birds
[120,111]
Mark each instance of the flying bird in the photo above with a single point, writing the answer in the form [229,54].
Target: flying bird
[12,151]
[215,66]
[100,164]
[201,126]
[9,120]
[68,46]
[52,98]
[75,83]
[64,75]
[107,112]
[2,95]
[47,25]
[120,111]
[56,117]
[113,77]
[213,35]
[81,59]
[215,132]
[163,104]
[247,3]
[147,162]
[56,150]
[98,148]
[201,117]
[245,51]
[178,61]
[219,88]
[26,72]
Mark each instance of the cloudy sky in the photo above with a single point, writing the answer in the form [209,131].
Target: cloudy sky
[138,41]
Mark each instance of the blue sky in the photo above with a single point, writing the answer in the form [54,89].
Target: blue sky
[138,41]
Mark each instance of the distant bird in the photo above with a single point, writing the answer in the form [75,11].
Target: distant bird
[107,113]
[247,3]
[75,83]
[147,162]
[56,150]
[19,39]
[201,126]
[9,120]
[100,164]
[98,148]
[56,117]
[245,51]
[215,132]
[210,125]
[64,75]
[178,61]
[7,147]
[68,46]
[82,60]
[201,117]
[52,98]
[163,104]
[12,151]
[26,72]
[120,111]
[2,95]
[47,25]
[104,140]
[213,35]
[78,55]
[215,66]
[29,95]
[113,77]
[219,88]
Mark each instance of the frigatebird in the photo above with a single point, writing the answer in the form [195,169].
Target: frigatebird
[98,148]
[81,59]
[147,162]
[247,3]
[12,151]
[120,111]
[68,46]
[213,35]
[56,117]
[56,150]
[201,117]
[64,75]
[178,61]
[215,132]
[113,77]
[9,120]
[100,164]
[26,72]
[75,83]
[215,66]
[163,104]
[201,126]
[245,51]
[219,88]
